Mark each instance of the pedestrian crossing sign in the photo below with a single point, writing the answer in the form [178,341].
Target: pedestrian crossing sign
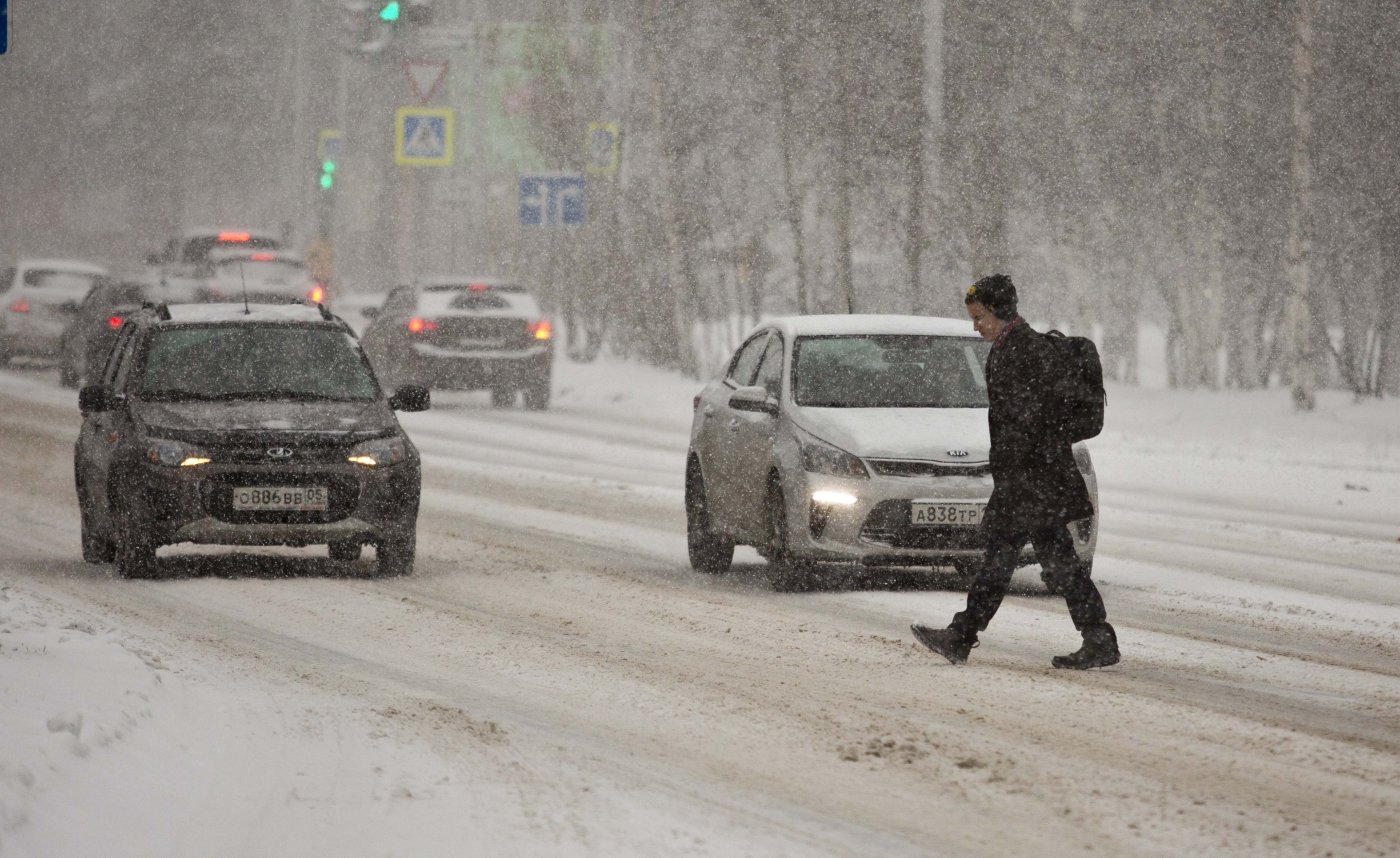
[423,136]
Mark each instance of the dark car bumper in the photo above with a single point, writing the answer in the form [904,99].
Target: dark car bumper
[195,504]
[440,368]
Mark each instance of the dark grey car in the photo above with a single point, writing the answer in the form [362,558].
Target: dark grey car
[267,427]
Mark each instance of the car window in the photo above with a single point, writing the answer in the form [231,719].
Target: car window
[889,371]
[248,361]
[770,370]
[745,363]
[399,300]
[45,278]
[7,276]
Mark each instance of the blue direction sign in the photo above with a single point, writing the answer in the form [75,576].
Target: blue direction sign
[4,26]
[551,200]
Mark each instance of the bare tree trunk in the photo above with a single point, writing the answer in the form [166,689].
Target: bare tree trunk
[792,209]
[847,147]
[1300,221]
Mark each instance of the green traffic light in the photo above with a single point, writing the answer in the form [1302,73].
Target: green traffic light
[326,181]
[390,12]
[328,166]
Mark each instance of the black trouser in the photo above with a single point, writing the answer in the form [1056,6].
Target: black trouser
[1064,575]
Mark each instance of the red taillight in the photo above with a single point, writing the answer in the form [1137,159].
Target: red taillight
[19,306]
[263,257]
[418,326]
[540,330]
[478,287]
[114,322]
[318,293]
[234,236]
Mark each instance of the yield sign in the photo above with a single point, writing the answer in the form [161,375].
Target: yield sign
[425,76]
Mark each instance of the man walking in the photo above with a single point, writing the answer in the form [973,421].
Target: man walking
[1037,488]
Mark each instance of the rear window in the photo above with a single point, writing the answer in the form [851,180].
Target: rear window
[40,278]
[252,268]
[197,249]
[245,361]
[495,301]
[889,371]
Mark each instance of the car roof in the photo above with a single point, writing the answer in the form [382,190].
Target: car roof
[865,324]
[75,265]
[464,279]
[238,312]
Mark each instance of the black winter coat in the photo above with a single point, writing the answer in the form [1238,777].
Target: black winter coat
[1035,480]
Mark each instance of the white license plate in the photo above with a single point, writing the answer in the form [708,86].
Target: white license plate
[944,513]
[280,498]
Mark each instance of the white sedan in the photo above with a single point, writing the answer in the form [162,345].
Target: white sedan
[857,439]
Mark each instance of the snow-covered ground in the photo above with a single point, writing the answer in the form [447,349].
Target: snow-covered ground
[555,680]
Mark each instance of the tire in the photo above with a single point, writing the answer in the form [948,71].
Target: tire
[502,397]
[710,552]
[98,547]
[134,552]
[396,555]
[346,550]
[537,395]
[787,572]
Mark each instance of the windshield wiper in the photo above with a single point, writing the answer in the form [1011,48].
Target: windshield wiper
[274,393]
[172,395]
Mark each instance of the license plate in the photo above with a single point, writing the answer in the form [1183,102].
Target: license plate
[944,513]
[280,498]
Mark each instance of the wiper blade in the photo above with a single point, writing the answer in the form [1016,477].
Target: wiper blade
[273,393]
[172,395]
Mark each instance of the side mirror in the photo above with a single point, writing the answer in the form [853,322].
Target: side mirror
[753,399]
[94,398]
[369,312]
[410,397]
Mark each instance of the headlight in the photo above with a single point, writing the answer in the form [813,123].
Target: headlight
[819,457]
[175,454]
[379,453]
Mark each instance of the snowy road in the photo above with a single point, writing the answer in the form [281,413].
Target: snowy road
[555,680]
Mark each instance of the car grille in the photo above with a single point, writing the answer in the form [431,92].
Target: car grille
[912,468]
[888,524]
[216,494]
[496,333]
[262,453]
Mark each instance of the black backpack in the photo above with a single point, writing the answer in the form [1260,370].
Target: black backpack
[1077,390]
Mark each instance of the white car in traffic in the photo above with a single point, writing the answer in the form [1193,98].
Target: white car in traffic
[857,439]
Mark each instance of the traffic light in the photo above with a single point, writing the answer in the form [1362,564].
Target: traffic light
[327,175]
[389,11]
[375,24]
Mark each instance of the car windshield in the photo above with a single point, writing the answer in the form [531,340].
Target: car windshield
[889,371]
[247,361]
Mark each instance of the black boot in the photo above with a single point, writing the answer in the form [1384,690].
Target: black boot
[1100,649]
[951,643]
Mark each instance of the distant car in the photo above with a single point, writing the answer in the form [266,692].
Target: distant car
[855,439]
[184,266]
[226,425]
[38,299]
[92,330]
[465,333]
[262,276]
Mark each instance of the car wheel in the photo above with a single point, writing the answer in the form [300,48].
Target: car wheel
[396,555]
[346,550]
[134,552]
[97,545]
[502,397]
[787,572]
[537,395]
[710,552]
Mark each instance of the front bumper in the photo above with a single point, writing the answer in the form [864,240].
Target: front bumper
[195,504]
[876,529]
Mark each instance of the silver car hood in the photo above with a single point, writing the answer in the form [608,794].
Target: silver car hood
[928,434]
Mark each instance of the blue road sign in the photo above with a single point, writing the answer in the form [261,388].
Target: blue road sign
[551,200]
[4,26]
